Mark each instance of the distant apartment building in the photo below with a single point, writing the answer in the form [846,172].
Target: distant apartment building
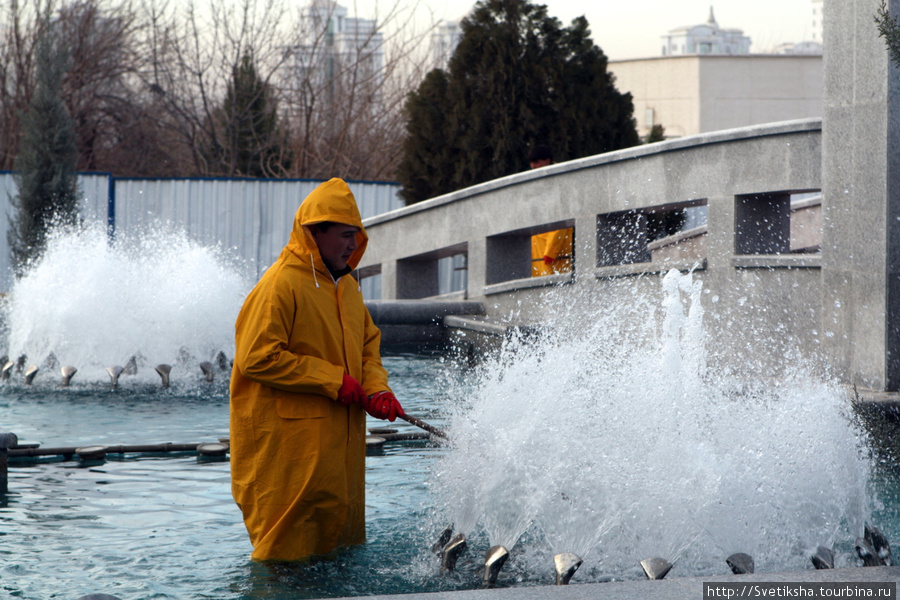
[706,38]
[695,94]
[707,80]
[444,40]
[817,20]
[336,51]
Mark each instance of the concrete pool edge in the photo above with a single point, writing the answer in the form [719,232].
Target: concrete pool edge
[677,588]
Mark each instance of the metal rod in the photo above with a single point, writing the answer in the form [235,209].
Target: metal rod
[423,425]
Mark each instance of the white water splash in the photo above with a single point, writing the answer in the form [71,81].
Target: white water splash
[159,297]
[612,438]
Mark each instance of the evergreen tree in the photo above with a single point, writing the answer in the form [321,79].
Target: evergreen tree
[889,29]
[247,141]
[517,78]
[46,162]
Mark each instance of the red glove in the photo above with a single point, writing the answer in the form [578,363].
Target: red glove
[548,260]
[384,405]
[351,392]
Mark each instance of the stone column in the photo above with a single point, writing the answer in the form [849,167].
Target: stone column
[860,320]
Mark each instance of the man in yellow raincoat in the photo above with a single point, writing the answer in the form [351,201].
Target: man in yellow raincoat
[307,368]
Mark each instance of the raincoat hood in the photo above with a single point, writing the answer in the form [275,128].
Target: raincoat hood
[331,201]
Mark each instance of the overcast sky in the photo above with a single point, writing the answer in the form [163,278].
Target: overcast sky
[632,28]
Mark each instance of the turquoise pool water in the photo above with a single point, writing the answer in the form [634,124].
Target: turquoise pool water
[165,526]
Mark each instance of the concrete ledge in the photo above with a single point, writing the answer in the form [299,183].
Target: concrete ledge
[798,126]
[649,268]
[780,261]
[683,588]
[419,312]
[529,282]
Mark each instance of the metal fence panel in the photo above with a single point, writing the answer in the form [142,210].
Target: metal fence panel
[250,219]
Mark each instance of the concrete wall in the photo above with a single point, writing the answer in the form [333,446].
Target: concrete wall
[744,177]
[698,94]
[861,197]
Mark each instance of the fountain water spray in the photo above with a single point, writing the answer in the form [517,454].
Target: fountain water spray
[159,297]
[619,436]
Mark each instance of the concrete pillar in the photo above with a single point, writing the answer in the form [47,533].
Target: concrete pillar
[389,280]
[477,268]
[860,327]
[585,260]
[720,226]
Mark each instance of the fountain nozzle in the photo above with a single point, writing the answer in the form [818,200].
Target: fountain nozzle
[68,372]
[873,548]
[207,369]
[656,568]
[442,540]
[30,374]
[164,371]
[823,558]
[494,560]
[566,564]
[451,552]
[740,563]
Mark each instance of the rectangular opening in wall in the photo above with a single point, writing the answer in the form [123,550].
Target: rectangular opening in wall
[435,273]
[782,222]
[530,252]
[670,231]
[370,282]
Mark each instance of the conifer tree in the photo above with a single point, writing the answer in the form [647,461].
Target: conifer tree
[518,78]
[47,160]
[247,141]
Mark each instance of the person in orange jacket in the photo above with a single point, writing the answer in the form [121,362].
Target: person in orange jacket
[307,369]
[551,252]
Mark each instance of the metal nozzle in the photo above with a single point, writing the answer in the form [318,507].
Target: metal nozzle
[114,373]
[452,551]
[880,545]
[823,558]
[442,540]
[30,373]
[566,564]
[656,568]
[494,560]
[67,373]
[740,563]
[164,371]
[207,369]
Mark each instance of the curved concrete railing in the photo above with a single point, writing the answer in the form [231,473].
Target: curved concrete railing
[744,177]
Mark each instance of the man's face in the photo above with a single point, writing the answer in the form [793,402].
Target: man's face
[336,245]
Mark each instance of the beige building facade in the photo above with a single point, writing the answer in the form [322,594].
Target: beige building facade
[695,94]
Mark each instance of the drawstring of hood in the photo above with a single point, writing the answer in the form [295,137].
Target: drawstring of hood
[312,261]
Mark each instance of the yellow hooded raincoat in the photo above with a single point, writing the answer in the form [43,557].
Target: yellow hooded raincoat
[298,455]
